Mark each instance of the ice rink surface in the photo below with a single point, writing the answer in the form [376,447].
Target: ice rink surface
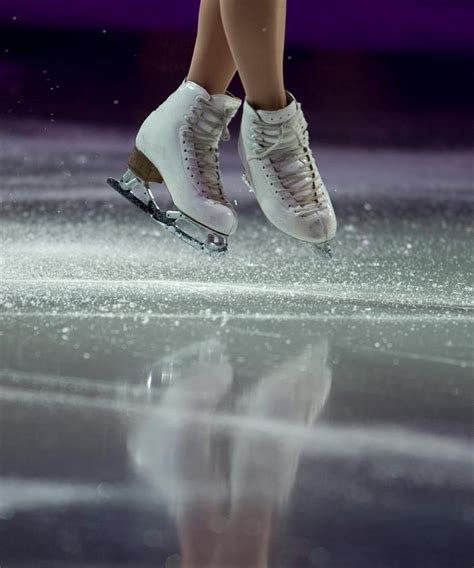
[270,408]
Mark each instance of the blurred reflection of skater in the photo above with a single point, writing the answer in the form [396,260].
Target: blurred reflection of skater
[226,476]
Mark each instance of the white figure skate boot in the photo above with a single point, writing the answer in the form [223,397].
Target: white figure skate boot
[178,143]
[280,168]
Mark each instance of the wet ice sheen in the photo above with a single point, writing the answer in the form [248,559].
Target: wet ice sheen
[120,347]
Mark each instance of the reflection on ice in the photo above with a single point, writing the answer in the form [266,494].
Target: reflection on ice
[231,434]
[224,485]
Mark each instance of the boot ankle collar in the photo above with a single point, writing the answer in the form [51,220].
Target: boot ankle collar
[275,116]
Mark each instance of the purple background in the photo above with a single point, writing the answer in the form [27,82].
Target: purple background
[430,25]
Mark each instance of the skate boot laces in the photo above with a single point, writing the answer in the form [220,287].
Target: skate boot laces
[294,170]
[207,125]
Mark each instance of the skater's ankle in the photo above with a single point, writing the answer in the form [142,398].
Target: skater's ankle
[274,101]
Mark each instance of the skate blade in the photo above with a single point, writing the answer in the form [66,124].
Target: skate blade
[324,250]
[177,223]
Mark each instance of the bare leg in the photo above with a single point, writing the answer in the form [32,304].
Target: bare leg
[212,65]
[255,30]
[246,542]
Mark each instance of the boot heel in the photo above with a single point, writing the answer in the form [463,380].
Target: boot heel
[143,168]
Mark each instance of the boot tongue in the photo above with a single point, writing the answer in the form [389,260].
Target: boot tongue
[226,103]
[194,87]
[221,102]
[278,116]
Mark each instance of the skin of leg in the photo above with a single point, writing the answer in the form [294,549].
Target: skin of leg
[246,541]
[255,31]
[197,541]
[212,64]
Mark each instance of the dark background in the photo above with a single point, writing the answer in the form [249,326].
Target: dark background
[368,72]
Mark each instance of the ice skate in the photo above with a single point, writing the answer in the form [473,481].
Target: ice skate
[279,167]
[178,144]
